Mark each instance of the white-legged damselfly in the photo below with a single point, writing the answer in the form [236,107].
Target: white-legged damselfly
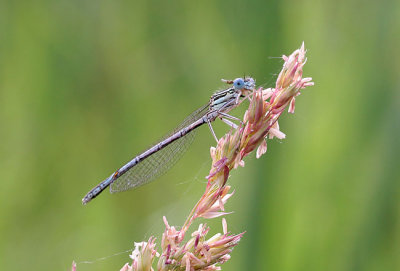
[158,159]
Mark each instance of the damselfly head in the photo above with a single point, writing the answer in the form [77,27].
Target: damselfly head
[246,83]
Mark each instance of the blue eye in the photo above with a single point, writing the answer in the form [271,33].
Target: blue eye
[250,83]
[238,83]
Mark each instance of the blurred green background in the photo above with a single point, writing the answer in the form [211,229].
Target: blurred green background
[86,85]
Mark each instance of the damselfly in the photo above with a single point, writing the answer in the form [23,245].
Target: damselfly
[158,159]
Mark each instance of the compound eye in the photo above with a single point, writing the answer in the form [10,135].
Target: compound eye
[238,83]
[250,83]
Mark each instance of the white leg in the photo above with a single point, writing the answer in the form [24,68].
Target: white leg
[212,131]
[229,116]
[230,123]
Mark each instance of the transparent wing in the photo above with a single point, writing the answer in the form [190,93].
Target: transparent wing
[161,161]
